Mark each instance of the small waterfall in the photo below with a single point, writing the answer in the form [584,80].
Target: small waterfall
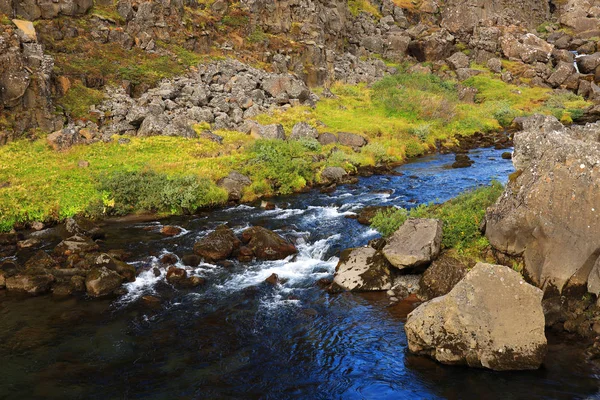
[577,55]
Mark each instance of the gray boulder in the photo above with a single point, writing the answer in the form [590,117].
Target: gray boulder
[548,213]
[351,139]
[333,175]
[491,319]
[153,125]
[327,138]
[458,60]
[439,279]
[362,269]
[302,130]
[234,184]
[415,244]
[588,64]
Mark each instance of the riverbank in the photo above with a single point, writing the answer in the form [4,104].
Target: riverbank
[34,178]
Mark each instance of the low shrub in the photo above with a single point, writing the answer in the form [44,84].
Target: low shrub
[461,217]
[127,191]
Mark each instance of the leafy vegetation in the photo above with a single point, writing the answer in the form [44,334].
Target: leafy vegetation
[79,99]
[358,6]
[403,116]
[461,217]
[125,192]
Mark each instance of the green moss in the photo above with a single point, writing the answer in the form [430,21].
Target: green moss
[4,19]
[358,6]
[79,99]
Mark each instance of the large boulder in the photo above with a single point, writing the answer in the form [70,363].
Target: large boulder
[548,213]
[491,319]
[588,64]
[122,268]
[351,139]
[266,244]
[362,269]
[439,279]
[415,244]
[217,245]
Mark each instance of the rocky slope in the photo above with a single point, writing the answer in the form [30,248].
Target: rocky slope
[318,41]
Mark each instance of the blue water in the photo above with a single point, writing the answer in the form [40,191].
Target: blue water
[237,338]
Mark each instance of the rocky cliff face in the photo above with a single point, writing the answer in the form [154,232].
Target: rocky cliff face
[461,17]
[549,213]
[25,83]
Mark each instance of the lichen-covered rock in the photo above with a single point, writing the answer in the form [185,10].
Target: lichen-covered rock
[333,175]
[556,173]
[491,319]
[303,130]
[415,244]
[362,269]
[351,139]
[127,271]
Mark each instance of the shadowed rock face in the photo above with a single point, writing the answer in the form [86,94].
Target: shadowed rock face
[491,319]
[549,211]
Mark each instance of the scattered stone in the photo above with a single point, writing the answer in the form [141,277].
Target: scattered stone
[507,155]
[234,184]
[122,268]
[83,164]
[302,130]
[333,175]
[75,244]
[491,319]
[462,161]
[415,244]
[362,269]
[101,281]
[31,284]
[273,279]
[176,275]
[351,139]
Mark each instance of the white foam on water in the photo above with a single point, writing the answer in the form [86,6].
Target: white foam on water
[369,233]
[294,270]
[281,213]
[329,212]
[238,208]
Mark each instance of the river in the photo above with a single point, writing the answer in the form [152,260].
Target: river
[237,338]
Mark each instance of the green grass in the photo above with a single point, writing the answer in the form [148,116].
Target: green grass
[402,116]
[461,217]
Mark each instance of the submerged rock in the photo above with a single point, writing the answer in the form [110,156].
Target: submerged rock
[362,269]
[491,319]
[415,244]
[217,245]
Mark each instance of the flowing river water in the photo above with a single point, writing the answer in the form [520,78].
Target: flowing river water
[238,338]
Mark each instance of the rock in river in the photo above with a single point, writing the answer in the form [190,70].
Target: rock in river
[362,269]
[266,244]
[102,281]
[491,319]
[415,244]
[217,245]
